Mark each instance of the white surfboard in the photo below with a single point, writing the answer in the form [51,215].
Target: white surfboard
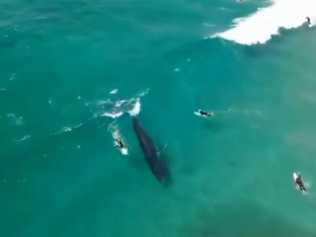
[197,113]
[295,175]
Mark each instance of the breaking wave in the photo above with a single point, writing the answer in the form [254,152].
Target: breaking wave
[259,27]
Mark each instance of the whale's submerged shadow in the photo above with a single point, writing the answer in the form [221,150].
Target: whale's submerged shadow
[157,165]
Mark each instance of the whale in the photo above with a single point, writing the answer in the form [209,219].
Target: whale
[157,165]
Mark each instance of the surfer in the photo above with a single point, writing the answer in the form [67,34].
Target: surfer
[205,113]
[118,140]
[299,182]
[119,143]
[308,20]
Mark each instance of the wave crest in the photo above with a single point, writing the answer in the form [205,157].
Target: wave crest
[259,27]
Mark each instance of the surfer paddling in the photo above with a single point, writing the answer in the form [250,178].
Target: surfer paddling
[118,140]
[297,177]
[204,113]
[119,143]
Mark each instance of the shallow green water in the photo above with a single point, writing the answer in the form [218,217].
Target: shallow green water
[231,175]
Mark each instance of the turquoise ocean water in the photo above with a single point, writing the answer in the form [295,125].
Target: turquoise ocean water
[60,175]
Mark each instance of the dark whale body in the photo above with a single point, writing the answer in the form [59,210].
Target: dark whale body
[157,166]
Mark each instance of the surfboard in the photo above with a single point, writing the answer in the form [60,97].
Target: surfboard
[295,175]
[124,150]
[198,114]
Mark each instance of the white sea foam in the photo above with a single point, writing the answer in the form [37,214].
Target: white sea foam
[112,114]
[143,93]
[68,129]
[12,76]
[266,22]
[103,102]
[116,109]
[133,107]
[119,103]
[135,110]
[113,92]
[50,101]
[206,24]
[65,129]
[24,138]
[15,120]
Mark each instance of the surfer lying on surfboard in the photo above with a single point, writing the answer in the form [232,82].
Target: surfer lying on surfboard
[299,182]
[204,113]
[118,142]
[118,139]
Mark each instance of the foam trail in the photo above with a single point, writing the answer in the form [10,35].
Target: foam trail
[116,109]
[112,114]
[15,120]
[143,93]
[136,109]
[120,107]
[12,77]
[113,92]
[266,22]
[68,129]
[103,102]
[24,138]
[119,103]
